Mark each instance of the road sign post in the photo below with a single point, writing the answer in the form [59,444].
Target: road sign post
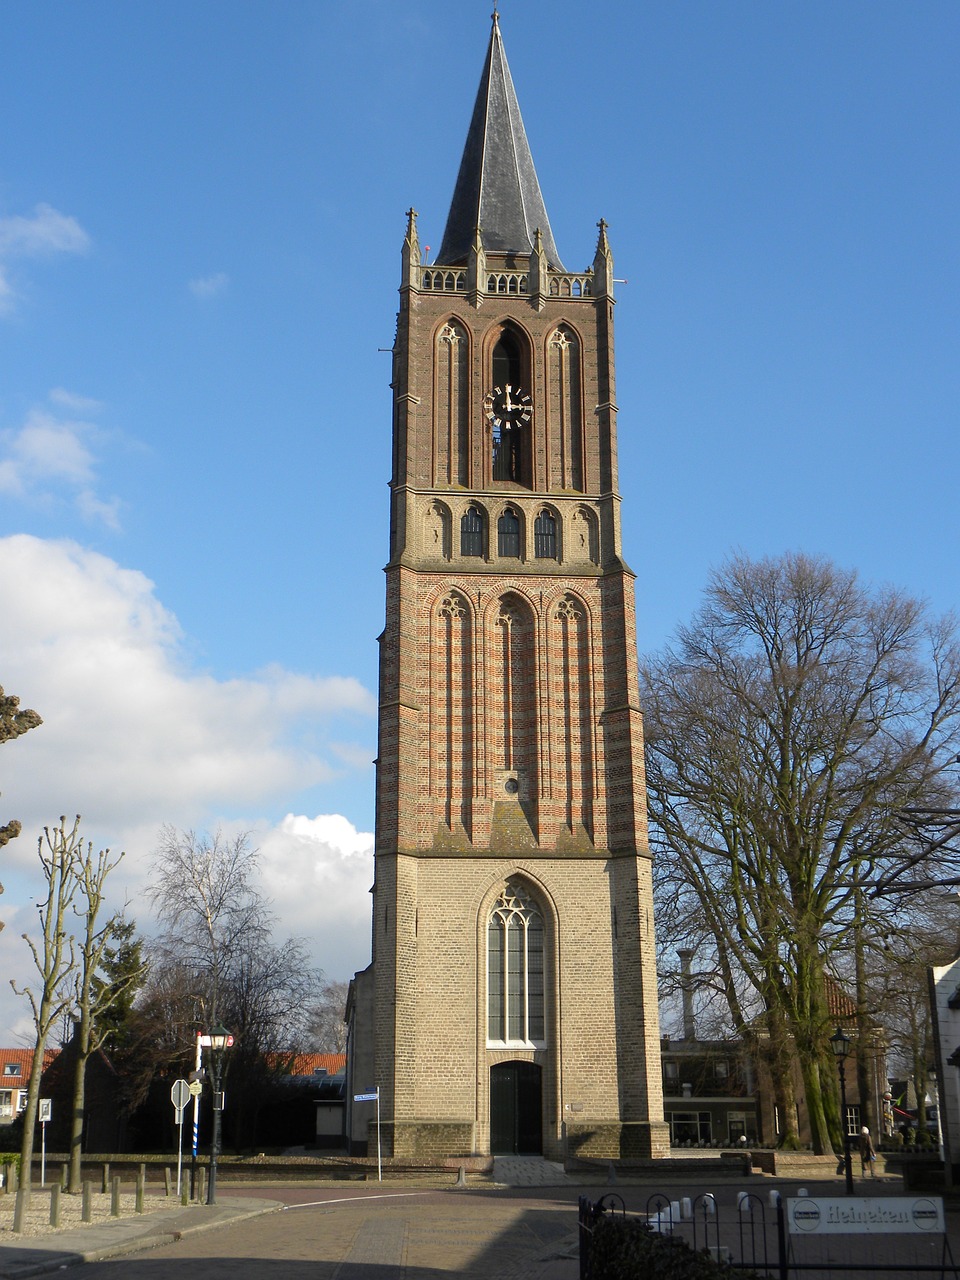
[373,1095]
[196,1116]
[44,1113]
[179,1096]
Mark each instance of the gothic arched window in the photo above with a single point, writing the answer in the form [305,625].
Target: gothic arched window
[545,536]
[515,986]
[508,534]
[471,532]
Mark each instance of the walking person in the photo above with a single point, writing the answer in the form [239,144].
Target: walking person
[868,1155]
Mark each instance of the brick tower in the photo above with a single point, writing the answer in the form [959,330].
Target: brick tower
[511,1005]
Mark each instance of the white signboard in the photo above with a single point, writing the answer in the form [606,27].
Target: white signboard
[862,1215]
[44,1109]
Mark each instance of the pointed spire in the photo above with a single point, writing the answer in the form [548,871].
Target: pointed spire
[497,187]
[603,265]
[411,246]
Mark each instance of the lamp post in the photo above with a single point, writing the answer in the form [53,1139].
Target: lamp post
[220,1039]
[840,1044]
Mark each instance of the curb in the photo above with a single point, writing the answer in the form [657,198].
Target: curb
[150,1239]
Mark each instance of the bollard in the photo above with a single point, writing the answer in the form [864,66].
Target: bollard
[86,1209]
[462,1177]
[141,1181]
[115,1198]
[64,1176]
[13,1177]
[22,1207]
[55,1191]
[202,1185]
[167,1181]
[185,1192]
[106,1177]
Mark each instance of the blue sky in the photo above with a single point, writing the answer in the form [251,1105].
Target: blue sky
[201,213]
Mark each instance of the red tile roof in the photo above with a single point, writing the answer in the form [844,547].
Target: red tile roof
[310,1064]
[23,1058]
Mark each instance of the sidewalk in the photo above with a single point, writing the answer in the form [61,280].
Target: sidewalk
[25,1255]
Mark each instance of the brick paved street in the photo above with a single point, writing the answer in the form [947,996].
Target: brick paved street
[371,1235]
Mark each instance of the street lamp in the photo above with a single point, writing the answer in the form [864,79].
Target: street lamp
[220,1039]
[840,1044]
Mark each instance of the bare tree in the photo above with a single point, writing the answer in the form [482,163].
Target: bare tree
[327,1029]
[93,997]
[59,850]
[204,894]
[216,960]
[797,718]
[13,723]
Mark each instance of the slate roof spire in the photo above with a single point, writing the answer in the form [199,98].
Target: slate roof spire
[497,188]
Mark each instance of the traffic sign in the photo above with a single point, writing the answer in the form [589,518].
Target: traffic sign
[180,1094]
[366,1097]
[195,1088]
[45,1110]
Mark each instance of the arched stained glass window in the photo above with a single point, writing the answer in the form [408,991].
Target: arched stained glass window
[515,985]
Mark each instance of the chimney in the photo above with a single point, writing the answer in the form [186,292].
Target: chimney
[686,986]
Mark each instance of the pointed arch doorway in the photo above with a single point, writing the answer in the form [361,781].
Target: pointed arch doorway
[516,1109]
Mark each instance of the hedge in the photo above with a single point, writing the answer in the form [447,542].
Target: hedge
[627,1249]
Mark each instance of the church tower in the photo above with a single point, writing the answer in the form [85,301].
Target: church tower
[511,1004]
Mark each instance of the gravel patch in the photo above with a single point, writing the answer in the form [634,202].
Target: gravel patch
[37,1221]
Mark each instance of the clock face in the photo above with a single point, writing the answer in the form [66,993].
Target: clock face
[508,407]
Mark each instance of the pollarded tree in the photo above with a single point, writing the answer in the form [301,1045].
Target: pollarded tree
[796,719]
[95,992]
[54,955]
[13,723]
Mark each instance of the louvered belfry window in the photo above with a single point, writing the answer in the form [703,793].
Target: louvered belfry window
[508,534]
[471,533]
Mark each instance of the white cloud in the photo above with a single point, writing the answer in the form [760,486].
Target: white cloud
[74,402]
[6,292]
[317,873]
[41,234]
[50,458]
[133,738]
[209,286]
[45,231]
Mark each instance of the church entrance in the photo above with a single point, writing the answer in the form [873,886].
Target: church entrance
[516,1109]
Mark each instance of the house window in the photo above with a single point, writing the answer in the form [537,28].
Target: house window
[689,1128]
[471,532]
[515,995]
[6,1102]
[508,534]
[545,536]
[11,1068]
[671,1071]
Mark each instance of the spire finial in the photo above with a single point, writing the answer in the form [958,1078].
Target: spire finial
[496,13]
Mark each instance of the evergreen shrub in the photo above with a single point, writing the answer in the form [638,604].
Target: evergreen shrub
[627,1249]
